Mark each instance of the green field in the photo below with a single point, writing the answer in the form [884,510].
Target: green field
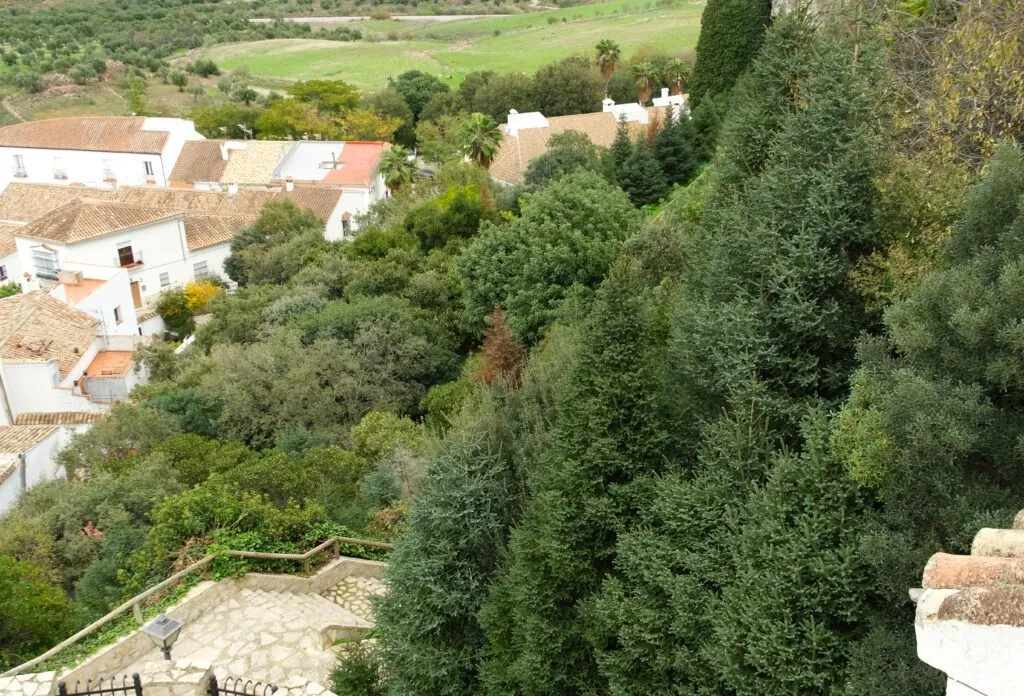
[520,43]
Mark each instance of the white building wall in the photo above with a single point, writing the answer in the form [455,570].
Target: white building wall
[81,167]
[179,131]
[40,465]
[37,388]
[214,256]
[13,270]
[100,303]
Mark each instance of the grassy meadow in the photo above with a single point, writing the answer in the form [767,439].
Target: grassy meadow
[522,43]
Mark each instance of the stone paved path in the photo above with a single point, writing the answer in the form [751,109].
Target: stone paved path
[270,636]
[354,593]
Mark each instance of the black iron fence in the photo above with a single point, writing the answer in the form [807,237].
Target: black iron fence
[238,687]
[126,687]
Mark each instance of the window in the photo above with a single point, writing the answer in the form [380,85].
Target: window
[346,226]
[200,269]
[108,170]
[45,262]
[117,315]
[165,279]
[19,166]
[149,167]
[125,255]
[3,272]
[58,169]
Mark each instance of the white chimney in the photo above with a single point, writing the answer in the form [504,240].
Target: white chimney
[289,184]
[232,189]
[607,104]
[224,151]
[512,112]
[664,92]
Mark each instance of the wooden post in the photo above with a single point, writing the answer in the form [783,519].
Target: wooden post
[137,611]
[337,548]
[305,566]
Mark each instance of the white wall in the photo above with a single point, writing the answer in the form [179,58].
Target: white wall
[101,302]
[214,257]
[179,131]
[12,264]
[38,388]
[39,466]
[81,167]
[355,201]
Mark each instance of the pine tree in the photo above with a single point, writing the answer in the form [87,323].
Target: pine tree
[622,146]
[610,433]
[731,33]
[641,178]
[674,149]
[439,572]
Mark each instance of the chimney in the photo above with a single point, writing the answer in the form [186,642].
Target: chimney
[224,151]
[664,92]
[289,184]
[512,112]
[607,104]
[232,189]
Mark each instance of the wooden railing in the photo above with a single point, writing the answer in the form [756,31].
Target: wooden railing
[135,603]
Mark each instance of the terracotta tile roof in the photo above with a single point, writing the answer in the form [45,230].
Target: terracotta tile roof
[97,134]
[516,152]
[15,439]
[58,418]
[246,202]
[985,587]
[7,246]
[26,202]
[199,160]
[35,327]
[202,231]
[359,163]
[84,218]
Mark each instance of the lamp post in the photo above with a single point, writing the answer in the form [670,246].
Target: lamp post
[164,631]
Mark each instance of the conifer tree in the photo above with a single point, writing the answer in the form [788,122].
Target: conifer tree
[622,147]
[674,149]
[611,432]
[641,178]
[731,33]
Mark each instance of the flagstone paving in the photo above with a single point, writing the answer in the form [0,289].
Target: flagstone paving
[275,637]
[355,594]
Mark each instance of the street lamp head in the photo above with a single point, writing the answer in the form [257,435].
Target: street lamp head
[164,631]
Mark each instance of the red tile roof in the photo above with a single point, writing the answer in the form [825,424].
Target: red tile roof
[359,162]
[990,581]
[97,134]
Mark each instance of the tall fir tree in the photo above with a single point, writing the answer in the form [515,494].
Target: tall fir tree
[641,177]
[674,148]
[731,32]
[610,433]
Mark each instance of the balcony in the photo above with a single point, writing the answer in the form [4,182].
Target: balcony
[128,258]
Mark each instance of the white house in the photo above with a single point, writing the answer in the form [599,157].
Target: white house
[56,358]
[10,265]
[350,167]
[94,151]
[160,237]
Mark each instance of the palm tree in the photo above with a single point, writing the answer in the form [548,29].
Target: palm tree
[481,138]
[645,75]
[677,71]
[608,53]
[397,168]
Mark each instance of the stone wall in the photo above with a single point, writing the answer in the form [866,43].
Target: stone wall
[38,684]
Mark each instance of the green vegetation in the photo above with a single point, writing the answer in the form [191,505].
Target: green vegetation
[522,43]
